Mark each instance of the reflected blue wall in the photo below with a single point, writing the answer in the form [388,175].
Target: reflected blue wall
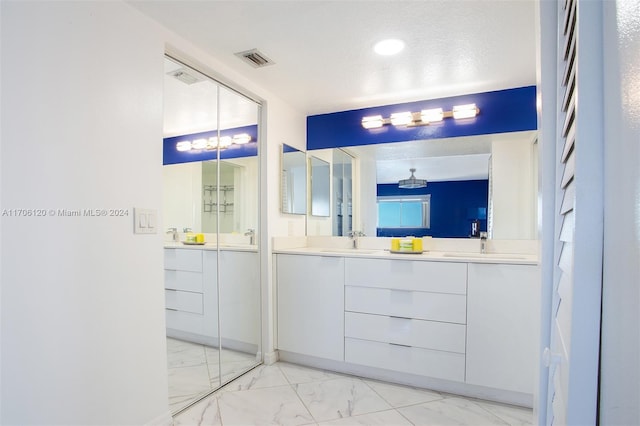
[454,204]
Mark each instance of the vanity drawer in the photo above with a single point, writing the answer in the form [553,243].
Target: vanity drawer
[424,362]
[185,301]
[183,259]
[185,321]
[407,304]
[183,280]
[435,335]
[439,277]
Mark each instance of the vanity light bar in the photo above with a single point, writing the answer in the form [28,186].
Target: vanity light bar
[213,143]
[422,118]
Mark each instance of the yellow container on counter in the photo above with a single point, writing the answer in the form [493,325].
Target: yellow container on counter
[395,244]
[199,238]
[406,244]
[417,244]
[190,238]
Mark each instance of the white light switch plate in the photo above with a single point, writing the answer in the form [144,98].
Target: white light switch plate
[144,221]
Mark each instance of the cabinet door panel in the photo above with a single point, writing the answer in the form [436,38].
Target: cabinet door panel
[404,331]
[239,300]
[311,305]
[502,326]
[407,304]
[439,277]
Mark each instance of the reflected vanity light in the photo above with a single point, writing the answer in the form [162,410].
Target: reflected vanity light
[401,118]
[422,118]
[183,146]
[213,143]
[372,122]
[199,144]
[242,138]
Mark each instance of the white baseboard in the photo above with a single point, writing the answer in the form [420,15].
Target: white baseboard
[271,357]
[438,385]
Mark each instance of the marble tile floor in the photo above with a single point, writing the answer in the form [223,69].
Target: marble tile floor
[288,394]
[193,370]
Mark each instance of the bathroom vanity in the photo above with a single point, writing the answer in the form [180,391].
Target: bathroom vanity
[453,322]
[193,305]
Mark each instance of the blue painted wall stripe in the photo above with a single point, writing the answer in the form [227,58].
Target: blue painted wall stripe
[502,111]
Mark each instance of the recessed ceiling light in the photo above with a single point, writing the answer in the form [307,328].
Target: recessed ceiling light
[388,47]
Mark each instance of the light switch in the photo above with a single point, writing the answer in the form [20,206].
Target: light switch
[151,221]
[144,221]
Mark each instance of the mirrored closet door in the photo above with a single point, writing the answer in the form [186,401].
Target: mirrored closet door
[211,215]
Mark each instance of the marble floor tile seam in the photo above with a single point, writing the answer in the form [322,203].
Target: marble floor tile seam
[330,375]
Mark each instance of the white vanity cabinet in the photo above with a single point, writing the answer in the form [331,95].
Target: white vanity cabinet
[407,316]
[190,295]
[502,326]
[310,300]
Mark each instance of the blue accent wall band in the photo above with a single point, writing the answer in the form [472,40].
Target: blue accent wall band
[171,155]
[502,111]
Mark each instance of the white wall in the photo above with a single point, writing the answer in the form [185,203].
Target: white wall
[82,302]
[620,351]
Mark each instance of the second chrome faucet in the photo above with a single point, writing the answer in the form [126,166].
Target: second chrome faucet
[354,235]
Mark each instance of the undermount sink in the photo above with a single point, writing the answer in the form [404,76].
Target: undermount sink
[348,251]
[487,256]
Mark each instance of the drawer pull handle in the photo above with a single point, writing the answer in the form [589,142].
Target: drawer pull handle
[170,289]
[397,317]
[398,344]
[171,309]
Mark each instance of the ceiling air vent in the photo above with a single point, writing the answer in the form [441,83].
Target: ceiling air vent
[255,58]
[184,76]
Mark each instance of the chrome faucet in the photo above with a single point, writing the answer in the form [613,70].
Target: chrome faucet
[174,232]
[354,235]
[186,230]
[251,233]
[483,242]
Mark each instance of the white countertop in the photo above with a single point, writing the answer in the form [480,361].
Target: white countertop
[510,258]
[212,246]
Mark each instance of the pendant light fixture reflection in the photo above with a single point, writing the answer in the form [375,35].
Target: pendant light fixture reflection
[412,182]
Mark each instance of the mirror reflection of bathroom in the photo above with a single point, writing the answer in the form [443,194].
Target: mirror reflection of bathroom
[210,188]
[490,180]
[342,197]
[320,187]
[293,193]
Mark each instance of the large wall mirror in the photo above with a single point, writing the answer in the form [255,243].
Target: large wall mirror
[212,287]
[491,179]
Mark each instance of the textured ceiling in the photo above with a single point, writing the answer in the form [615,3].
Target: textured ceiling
[323,50]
